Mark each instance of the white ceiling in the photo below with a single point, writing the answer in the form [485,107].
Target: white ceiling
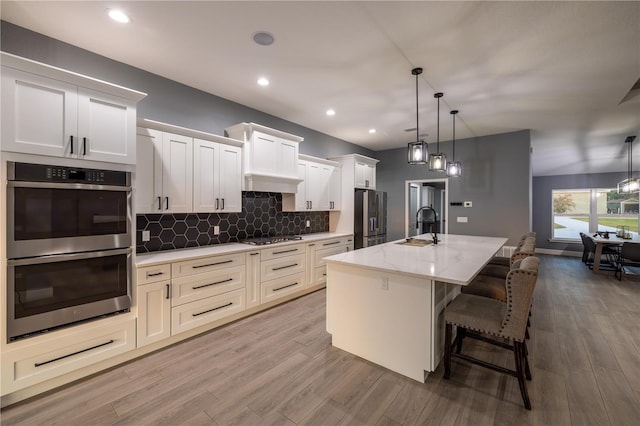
[565,70]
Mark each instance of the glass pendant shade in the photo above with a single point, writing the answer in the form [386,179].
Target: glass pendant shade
[417,152]
[437,162]
[630,184]
[454,169]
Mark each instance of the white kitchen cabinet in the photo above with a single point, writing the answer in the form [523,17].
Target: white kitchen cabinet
[271,158]
[154,312]
[164,176]
[314,192]
[316,270]
[253,278]
[365,174]
[217,177]
[335,189]
[47,111]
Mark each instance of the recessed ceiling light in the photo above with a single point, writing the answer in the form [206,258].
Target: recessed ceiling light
[263,81]
[372,131]
[119,16]
[263,38]
[331,112]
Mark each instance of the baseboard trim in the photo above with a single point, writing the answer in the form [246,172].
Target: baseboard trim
[554,252]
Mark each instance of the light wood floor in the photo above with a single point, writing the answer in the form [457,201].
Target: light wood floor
[279,367]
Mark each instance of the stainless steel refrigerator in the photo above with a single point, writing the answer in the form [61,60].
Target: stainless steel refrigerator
[370,222]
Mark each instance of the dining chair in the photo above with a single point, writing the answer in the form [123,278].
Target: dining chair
[629,256]
[502,324]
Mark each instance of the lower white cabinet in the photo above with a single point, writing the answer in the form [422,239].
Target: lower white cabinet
[317,251]
[253,278]
[65,351]
[201,312]
[280,287]
[154,312]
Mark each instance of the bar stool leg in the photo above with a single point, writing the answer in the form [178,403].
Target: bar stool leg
[518,352]
[447,351]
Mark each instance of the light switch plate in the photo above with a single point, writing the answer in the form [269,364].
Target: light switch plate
[468,204]
[146,236]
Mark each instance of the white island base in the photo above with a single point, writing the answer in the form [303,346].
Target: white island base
[386,303]
[393,320]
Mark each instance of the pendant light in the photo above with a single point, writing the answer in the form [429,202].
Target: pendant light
[417,151]
[438,161]
[454,168]
[630,184]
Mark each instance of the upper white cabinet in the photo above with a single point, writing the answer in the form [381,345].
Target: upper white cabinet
[271,158]
[358,171]
[164,178]
[217,171]
[314,192]
[365,174]
[182,171]
[335,188]
[49,111]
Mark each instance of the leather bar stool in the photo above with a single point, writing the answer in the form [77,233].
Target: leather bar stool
[500,323]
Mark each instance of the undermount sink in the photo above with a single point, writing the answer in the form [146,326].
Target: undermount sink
[415,242]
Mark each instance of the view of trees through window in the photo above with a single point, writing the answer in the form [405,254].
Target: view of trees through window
[591,210]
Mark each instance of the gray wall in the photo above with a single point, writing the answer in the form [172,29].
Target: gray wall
[167,101]
[496,178]
[542,187]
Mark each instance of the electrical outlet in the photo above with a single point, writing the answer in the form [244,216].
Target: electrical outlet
[468,204]
[384,285]
[146,236]
[216,230]
[308,223]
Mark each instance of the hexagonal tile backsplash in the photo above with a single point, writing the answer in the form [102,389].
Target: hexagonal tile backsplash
[261,216]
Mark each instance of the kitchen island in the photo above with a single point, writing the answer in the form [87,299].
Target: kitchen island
[385,303]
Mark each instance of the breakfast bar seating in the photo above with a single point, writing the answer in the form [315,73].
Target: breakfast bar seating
[500,323]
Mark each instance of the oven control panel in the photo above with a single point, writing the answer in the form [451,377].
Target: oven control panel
[59,174]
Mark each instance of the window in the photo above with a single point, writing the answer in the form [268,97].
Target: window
[591,210]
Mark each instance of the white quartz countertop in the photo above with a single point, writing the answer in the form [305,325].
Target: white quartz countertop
[455,259]
[168,256]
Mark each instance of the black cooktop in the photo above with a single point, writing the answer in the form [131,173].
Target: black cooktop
[261,241]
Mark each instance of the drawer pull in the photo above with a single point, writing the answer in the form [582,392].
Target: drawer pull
[212,264]
[284,267]
[324,275]
[208,285]
[39,364]
[330,244]
[154,274]
[211,310]
[286,286]
[253,254]
[285,251]
[168,291]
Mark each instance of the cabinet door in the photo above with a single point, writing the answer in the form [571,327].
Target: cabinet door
[302,198]
[39,115]
[106,127]
[177,179]
[148,175]
[335,189]
[287,163]
[263,152]
[314,183]
[253,278]
[206,196]
[230,179]
[154,312]
[323,188]
[365,176]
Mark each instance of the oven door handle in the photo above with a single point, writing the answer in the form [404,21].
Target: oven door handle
[65,257]
[48,185]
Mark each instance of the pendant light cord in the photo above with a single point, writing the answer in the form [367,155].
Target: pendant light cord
[438,131]
[454,136]
[417,115]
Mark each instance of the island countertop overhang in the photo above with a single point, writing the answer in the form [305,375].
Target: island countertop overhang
[456,259]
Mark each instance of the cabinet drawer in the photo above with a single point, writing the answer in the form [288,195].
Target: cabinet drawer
[194,314]
[47,359]
[207,264]
[151,274]
[281,267]
[341,241]
[282,251]
[196,287]
[275,289]
[321,254]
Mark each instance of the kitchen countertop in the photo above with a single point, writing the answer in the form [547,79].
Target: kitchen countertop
[168,256]
[455,259]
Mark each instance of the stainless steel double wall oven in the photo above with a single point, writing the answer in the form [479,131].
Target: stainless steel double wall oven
[69,233]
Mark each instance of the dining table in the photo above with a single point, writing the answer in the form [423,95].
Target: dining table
[601,241]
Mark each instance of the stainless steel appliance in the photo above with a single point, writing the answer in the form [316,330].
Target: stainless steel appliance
[68,246]
[262,241]
[370,221]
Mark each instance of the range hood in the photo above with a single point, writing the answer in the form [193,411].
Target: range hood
[270,158]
